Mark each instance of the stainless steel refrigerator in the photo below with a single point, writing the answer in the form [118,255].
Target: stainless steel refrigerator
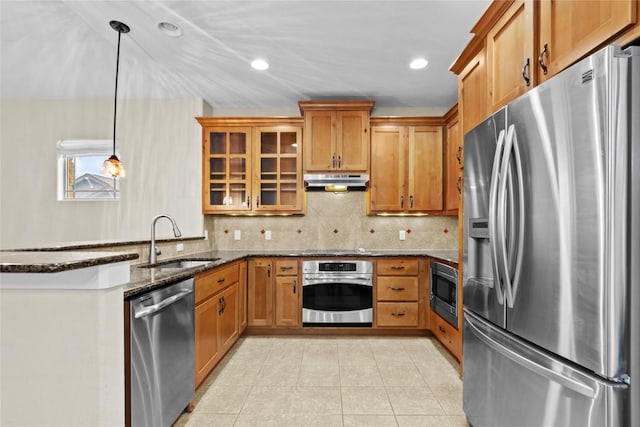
[551,284]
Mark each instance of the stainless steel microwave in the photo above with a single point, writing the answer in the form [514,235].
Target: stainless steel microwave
[444,292]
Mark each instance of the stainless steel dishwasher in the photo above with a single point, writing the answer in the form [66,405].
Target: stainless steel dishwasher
[162,354]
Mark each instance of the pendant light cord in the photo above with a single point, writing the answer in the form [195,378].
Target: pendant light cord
[115,96]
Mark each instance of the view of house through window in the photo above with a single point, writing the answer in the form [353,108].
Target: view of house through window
[79,175]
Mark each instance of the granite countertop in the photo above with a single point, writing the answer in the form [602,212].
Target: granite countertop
[146,279]
[55,262]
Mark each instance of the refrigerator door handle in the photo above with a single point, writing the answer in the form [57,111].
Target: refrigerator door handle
[557,377]
[520,214]
[505,177]
[493,226]
[511,256]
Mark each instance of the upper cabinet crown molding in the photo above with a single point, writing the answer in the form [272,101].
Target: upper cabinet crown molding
[250,121]
[342,105]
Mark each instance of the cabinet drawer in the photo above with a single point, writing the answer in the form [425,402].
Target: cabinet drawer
[397,314]
[286,267]
[397,267]
[446,334]
[392,288]
[209,283]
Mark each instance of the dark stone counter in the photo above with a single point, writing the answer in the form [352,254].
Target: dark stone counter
[55,262]
[148,279]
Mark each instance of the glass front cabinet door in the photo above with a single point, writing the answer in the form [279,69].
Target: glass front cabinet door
[278,178]
[227,181]
[251,168]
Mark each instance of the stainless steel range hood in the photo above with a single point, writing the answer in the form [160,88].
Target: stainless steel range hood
[336,182]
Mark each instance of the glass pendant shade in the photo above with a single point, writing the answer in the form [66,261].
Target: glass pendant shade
[114,167]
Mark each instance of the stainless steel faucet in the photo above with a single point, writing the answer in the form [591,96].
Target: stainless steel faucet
[153,250]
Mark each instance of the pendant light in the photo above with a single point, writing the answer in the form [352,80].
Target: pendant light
[113,166]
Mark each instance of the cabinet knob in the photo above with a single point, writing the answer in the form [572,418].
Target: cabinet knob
[541,59]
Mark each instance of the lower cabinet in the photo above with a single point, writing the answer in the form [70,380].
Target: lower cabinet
[260,311]
[288,290]
[216,317]
[401,293]
[449,336]
[274,293]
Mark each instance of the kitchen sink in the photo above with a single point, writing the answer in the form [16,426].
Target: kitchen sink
[178,264]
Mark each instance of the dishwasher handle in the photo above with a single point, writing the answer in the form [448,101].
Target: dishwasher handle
[150,309]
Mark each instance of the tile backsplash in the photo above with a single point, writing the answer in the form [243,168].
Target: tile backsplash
[333,221]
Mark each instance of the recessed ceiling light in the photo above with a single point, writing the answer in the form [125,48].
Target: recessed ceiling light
[170,29]
[418,63]
[259,64]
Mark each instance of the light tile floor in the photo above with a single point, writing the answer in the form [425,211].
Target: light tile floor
[331,381]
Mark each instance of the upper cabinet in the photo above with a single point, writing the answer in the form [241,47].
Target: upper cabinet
[252,165]
[511,66]
[453,162]
[472,92]
[406,166]
[520,43]
[336,136]
[570,30]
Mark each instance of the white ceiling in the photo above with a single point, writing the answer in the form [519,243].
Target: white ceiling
[316,50]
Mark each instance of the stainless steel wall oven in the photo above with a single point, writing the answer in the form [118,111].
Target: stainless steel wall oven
[337,293]
[444,292]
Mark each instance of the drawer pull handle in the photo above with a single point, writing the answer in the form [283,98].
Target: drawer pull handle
[397,289]
[397,267]
[442,329]
[286,268]
[221,280]
[397,314]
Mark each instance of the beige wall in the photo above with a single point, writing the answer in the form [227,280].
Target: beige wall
[327,213]
[159,144]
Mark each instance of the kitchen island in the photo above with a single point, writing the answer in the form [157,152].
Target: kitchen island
[61,329]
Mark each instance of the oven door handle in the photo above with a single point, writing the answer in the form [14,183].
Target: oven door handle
[344,280]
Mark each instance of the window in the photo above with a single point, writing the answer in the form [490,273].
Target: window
[79,175]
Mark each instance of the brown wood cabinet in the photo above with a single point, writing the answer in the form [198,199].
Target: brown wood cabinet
[449,336]
[520,40]
[260,312]
[511,65]
[406,167]
[570,30]
[242,297]
[472,92]
[336,135]
[453,162]
[399,295]
[216,317]
[274,293]
[252,165]
[288,291]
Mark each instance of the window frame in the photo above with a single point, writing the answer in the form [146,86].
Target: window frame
[67,151]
